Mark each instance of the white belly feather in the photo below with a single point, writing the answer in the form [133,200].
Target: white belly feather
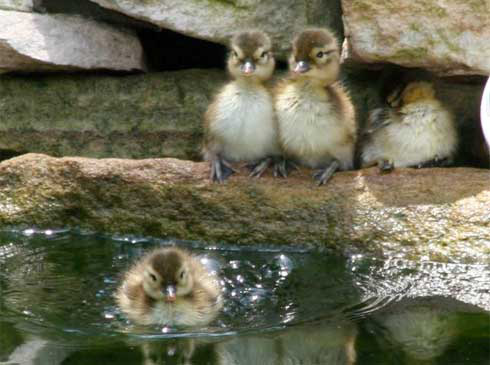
[311,131]
[244,123]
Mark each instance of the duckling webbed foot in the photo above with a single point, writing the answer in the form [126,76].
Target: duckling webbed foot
[322,176]
[258,168]
[283,167]
[220,170]
[386,166]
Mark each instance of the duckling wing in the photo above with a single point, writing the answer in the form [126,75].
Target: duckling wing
[378,119]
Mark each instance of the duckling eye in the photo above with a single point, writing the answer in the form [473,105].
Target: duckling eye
[263,55]
[320,54]
[153,277]
[182,274]
[234,53]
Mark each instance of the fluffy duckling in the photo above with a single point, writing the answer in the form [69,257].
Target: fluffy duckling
[239,123]
[316,118]
[415,131]
[169,287]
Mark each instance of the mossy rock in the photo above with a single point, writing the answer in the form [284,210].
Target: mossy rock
[436,214]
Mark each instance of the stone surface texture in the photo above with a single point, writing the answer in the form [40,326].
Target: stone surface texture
[449,37]
[429,214]
[18,5]
[216,20]
[145,115]
[40,42]
[137,116]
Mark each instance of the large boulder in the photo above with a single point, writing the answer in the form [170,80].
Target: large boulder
[37,42]
[18,5]
[449,37]
[434,214]
[215,20]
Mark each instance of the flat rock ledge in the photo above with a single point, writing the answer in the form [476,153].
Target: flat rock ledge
[428,214]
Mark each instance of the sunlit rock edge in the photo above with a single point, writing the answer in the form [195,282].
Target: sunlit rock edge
[427,214]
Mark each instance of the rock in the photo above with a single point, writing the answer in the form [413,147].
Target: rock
[146,115]
[18,5]
[137,116]
[38,42]
[434,214]
[449,37]
[88,9]
[216,20]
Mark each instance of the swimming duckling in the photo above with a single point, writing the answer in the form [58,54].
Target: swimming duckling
[169,287]
[316,118]
[239,123]
[415,131]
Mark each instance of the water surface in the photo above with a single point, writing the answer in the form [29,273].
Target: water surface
[282,305]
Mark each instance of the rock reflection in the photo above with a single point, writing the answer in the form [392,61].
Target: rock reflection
[425,327]
[326,343]
[10,339]
[35,351]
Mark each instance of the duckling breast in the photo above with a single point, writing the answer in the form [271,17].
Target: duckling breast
[245,123]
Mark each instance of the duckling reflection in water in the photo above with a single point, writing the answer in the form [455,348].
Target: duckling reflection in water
[415,131]
[178,352]
[169,287]
[316,118]
[239,123]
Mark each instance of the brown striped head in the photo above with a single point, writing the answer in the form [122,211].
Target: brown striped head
[167,274]
[315,56]
[251,56]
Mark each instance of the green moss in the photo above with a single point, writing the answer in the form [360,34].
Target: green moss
[476,6]
[415,27]
[361,7]
[447,40]
[135,116]
[416,53]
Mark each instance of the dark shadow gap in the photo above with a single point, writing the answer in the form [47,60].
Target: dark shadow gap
[166,50]
[8,154]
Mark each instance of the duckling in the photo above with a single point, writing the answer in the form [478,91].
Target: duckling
[416,130]
[316,118]
[169,287]
[239,123]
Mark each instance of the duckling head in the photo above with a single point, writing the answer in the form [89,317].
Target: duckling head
[315,56]
[412,92]
[167,275]
[417,91]
[250,56]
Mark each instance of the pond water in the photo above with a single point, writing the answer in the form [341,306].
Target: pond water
[282,305]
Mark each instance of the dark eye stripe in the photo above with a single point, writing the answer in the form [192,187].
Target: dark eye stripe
[325,53]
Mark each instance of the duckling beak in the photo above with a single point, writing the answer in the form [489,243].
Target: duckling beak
[302,67]
[247,67]
[169,293]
